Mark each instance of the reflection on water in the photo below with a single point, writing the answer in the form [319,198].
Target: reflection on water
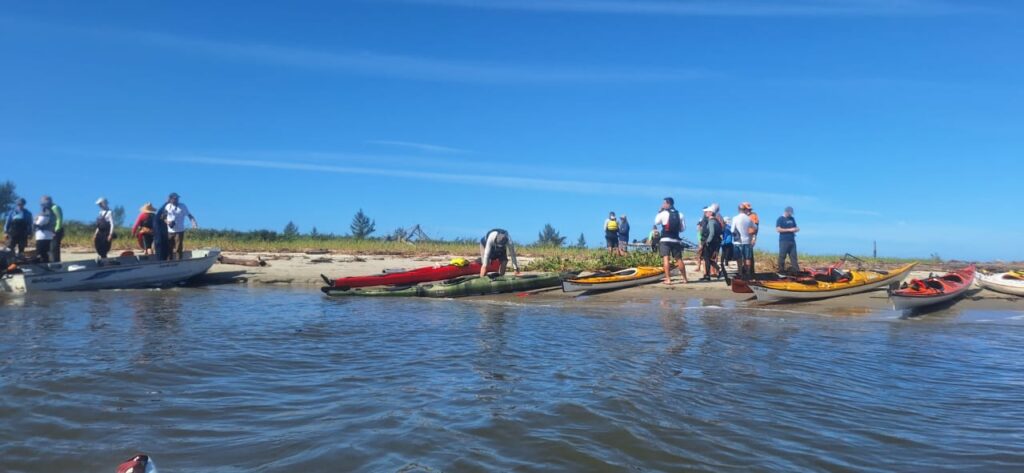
[235,379]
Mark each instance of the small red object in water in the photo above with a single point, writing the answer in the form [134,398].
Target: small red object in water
[137,464]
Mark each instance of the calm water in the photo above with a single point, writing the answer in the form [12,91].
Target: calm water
[236,379]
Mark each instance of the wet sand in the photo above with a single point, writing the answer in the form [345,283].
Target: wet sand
[300,269]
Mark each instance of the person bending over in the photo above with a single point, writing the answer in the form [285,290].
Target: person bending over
[497,246]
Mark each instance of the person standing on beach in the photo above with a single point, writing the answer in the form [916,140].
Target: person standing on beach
[653,238]
[175,215]
[745,228]
[17,227]
[497,245]
[711,233]
[143,228]
[611,233]
[727,249]
[161,238]
[787,228]
[103,237]
[43,227]
[673,224]
[57,219]
[623,235]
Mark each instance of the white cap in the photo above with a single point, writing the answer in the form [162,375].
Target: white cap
[714,207]
[101,200]
[710,209]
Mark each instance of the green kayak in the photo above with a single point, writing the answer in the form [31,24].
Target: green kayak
[458,287]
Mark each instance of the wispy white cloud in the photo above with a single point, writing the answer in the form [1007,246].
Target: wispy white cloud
[419,146]
[376,64]
[717,8]
[570,186]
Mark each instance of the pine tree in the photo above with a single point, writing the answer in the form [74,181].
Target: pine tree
[7,197]
[118,215]
[582,242]
[291,230]
[362,226]
[314,234]
[400,234]
[550,237]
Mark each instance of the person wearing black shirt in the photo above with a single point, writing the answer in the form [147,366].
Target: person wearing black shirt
[787,228]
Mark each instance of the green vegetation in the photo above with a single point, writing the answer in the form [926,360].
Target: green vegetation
[550,237]
[362,227]
[7,197]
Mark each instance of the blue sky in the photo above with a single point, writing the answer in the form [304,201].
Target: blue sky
[891,120]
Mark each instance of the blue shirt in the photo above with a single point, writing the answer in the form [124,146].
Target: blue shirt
[786,223]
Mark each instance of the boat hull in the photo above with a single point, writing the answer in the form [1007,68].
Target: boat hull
[924,296]
[618,280]
[112,273]
[460,287]
[415,276]
[997,283]
[911,302]
[864,282]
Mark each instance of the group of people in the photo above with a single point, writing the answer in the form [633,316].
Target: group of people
[159,232]
[722,240]
[47,228]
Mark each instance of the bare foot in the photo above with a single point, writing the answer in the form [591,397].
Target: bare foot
[667,282]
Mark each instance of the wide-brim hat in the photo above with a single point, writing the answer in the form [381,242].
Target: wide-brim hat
[148,208]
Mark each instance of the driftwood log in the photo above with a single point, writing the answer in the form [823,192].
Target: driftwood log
[258,262]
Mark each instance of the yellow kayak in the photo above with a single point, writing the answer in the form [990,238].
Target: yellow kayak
[854,282]
[617,280]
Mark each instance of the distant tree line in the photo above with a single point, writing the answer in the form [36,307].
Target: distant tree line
[362,227]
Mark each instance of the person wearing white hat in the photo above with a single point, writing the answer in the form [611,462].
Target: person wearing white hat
[103,237]
[711,234]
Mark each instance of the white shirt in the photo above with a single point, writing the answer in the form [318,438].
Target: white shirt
[42,233]
[176,216]
[662,219]
[742,224]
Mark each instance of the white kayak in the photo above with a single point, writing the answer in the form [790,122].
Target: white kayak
[1002,283]
[125,272]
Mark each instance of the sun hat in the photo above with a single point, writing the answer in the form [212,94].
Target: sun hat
[148,208]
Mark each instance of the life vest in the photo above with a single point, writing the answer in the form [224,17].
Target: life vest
[20,222]
[102,224]
[611,225]
[705,230]
[756,221]
[674,226]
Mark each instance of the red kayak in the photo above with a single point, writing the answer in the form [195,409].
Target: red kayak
[414,276]
[934,290]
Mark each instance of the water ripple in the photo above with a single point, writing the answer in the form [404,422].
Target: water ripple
[232,379]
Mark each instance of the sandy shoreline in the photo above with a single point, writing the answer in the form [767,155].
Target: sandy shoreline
[304,270]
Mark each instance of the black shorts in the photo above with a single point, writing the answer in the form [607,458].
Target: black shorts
[672,249]
[611,241]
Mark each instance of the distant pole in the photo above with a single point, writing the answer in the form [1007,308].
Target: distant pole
[875,252]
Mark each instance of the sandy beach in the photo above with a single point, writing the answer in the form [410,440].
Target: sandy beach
[304,270]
